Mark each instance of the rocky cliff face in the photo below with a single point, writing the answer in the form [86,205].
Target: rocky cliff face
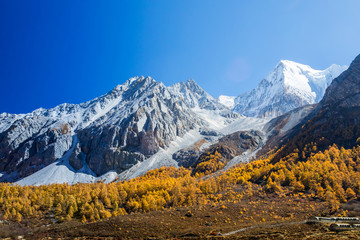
[229,146]
[344,91]
[148,118]
[113,132]
[289,86]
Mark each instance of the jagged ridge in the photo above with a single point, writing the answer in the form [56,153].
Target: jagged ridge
[112,132]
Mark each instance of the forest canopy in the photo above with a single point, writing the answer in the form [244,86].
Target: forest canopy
[332,176]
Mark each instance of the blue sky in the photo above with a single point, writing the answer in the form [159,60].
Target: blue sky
[53,52]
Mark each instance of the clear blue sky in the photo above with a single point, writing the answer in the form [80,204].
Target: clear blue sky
[53,52]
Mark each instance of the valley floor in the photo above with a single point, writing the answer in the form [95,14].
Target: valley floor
[255,217]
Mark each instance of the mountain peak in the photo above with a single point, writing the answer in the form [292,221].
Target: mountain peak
[288,86]
[337,69]
[286,62]
[189,86]
[195,97]
[193,86]
[136,79]
[191,81]
[290,63]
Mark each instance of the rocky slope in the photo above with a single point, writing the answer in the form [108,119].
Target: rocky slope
[289,86]
[281,128]
[111,133]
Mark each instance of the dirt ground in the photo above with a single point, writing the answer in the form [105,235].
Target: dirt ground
[272,217]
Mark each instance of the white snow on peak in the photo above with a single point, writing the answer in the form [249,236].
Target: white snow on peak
[192,94]
[228,101]
[288,86]
[133,80]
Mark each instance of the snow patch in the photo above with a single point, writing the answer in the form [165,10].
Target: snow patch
[245,124]
[228,101]
[57,172]
[141,122]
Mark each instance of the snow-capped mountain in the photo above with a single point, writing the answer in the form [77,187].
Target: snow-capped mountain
[142,124]
[334,120]
[228,101]
[290,85]
[112,133]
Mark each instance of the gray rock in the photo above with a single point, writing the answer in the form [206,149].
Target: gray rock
[76,158]
[114,131]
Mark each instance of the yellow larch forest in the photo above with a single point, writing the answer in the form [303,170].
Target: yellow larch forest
[332,176]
